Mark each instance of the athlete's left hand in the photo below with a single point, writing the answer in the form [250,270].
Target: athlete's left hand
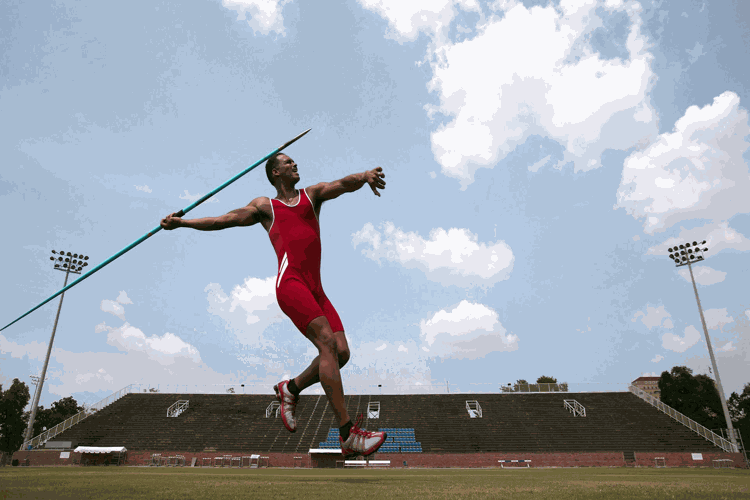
[375,178]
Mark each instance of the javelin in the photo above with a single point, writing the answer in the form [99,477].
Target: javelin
[157,228]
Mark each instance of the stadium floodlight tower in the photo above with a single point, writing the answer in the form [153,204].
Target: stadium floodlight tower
[69,263]
[686,255]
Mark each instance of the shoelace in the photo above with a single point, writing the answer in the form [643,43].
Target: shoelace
[356,430]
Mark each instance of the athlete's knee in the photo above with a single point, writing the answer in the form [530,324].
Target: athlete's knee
[343,356]
[319,331]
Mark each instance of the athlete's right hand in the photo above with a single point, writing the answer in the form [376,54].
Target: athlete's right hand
[375,178]
[171,221]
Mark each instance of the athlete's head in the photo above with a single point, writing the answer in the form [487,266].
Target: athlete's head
[281,166]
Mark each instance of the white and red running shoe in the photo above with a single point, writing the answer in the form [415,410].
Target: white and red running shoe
[288,405]
[361,442]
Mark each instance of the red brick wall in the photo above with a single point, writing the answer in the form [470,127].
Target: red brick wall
[45,457]
[431,460]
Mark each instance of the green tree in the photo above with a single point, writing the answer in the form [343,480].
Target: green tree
[12,424]
[60,411]
[521,385]
[695,396]
[544,379]
[739,410]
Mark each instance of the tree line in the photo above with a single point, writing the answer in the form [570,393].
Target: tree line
[697,397]
[13,418]
[543,384]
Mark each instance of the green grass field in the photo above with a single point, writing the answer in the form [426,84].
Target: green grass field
[157,483]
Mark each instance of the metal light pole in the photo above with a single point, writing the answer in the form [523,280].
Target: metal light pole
[69,263]
[686,255]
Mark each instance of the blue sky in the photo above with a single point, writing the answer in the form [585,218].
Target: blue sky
[540,159]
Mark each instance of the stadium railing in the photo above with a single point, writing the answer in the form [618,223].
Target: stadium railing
[686,421]
[67,424]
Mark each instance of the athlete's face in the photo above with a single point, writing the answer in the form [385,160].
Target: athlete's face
[287,168]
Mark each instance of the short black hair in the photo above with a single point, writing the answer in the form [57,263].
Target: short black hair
[272,163]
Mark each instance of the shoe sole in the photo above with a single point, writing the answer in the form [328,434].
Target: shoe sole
[281,402]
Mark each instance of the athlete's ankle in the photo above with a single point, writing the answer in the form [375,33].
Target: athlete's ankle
[344,430]
[292,386]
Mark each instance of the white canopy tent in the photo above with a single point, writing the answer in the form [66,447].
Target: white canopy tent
[115,455]
[100,449]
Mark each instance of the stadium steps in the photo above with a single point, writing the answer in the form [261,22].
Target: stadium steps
[510,423]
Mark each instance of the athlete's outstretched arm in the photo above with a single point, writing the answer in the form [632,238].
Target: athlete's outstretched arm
[330,190]
[245,216]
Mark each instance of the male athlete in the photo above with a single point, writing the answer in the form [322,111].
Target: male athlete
[291,220]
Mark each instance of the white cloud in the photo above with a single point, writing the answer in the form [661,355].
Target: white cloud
[536,166]
[143,188]
[262,16]
[704,275]
[728,347]
[657,358]
[114,308]
[469,330]
[717,318]
[407,19]
[654,317]
[452,257]
[403,348]
[380,348]
[733,357]
[718,236]
[248,310]
[123,298]
[681,344]
[696,171]
[194,197]
[163,349]
[544,78]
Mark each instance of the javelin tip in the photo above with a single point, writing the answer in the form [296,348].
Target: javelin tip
[293,140]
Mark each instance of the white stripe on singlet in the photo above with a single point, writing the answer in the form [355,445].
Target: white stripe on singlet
[284,264]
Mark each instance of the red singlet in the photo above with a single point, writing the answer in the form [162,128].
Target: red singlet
[295,235]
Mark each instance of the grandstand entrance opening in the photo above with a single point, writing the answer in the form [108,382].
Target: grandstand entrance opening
[273,409]
[373,409]
[475,411]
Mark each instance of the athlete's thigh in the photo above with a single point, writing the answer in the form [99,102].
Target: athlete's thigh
[298,303]
[337,327]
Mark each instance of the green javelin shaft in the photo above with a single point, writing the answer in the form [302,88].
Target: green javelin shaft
[157,229]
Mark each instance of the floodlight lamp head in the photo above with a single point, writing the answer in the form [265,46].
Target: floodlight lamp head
[85,264]
[692,257]
[53,251]
[704,242]
[68,254]
[695,243]
[671,255]
[51,258]
[682,246]
[705,249]
[86,258]
[670,249]
[687,245]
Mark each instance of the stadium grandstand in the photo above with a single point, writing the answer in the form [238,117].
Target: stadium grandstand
[544,429]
